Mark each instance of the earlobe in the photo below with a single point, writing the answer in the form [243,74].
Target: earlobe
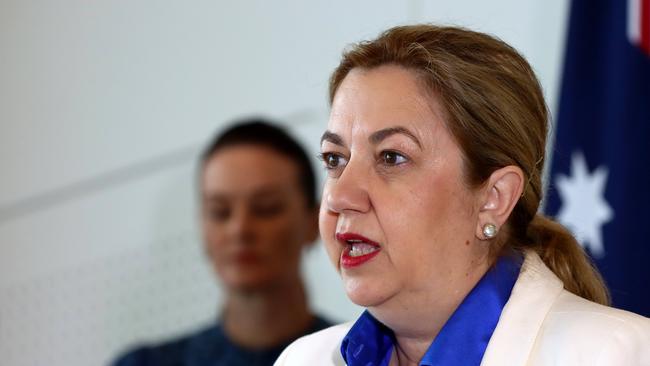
[503,190]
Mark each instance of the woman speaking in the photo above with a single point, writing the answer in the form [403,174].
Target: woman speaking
[434,152]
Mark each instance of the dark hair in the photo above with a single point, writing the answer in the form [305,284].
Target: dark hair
[263,132]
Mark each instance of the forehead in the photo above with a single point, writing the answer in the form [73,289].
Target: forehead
[243,170]
[382,97]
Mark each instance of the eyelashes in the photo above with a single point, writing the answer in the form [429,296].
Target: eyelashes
[332,160]
[258,210]
[335,162]
[392,158]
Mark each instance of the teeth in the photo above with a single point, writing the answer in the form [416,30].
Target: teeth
[358,248]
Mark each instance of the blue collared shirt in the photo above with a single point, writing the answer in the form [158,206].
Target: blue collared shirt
[461,341]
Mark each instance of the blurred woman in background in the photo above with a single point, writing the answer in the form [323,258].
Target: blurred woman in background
[434,152]
[259,212]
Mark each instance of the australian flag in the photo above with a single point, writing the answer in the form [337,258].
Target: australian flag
[600,171]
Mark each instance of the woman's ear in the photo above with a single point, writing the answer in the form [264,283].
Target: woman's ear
[502,191]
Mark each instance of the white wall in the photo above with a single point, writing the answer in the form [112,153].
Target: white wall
[103,108]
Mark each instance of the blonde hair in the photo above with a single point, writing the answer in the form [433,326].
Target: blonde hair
[496,112]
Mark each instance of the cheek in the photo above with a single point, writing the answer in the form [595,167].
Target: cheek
[212,237]
[424,224]
[214,245]
[278,234]
[283,238]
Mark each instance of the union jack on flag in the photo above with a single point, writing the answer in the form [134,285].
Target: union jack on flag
[638,24]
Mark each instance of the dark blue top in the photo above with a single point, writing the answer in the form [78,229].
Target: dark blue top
[209,347]
[461,341]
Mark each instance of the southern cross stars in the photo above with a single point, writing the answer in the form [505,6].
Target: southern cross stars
[584,209]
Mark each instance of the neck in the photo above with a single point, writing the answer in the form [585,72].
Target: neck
[268,317]
[417,321]
[409,351]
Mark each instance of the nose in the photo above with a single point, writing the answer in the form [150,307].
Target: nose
[349,192]
[241,227]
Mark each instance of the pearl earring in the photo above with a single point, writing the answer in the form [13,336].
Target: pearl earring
[489,230]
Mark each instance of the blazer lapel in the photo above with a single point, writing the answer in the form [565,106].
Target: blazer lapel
[532,297]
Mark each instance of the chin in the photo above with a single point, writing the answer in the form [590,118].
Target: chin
[248,282]
[249,286]
[366,294]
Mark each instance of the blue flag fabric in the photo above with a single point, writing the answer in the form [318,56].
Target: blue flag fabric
[599,184]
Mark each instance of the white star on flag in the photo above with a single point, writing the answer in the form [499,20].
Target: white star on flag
[584,209]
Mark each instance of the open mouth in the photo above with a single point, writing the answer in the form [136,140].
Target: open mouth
[358,249]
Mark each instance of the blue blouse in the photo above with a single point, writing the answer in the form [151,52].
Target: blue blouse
[461,341]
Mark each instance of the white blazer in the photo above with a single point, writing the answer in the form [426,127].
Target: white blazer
[541,324]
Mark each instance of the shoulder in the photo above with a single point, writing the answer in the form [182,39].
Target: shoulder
[172,352]
[551,326]
[578,329]
[169,353]
[320,348]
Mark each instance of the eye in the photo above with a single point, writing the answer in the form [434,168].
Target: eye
[389,157]
[218,214]
[268,209]
[333,161]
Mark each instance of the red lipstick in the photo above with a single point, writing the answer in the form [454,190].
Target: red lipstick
[352,244]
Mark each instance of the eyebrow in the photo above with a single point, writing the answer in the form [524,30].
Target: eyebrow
[375,138]
[263,191]
[383,134]
[331,137]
